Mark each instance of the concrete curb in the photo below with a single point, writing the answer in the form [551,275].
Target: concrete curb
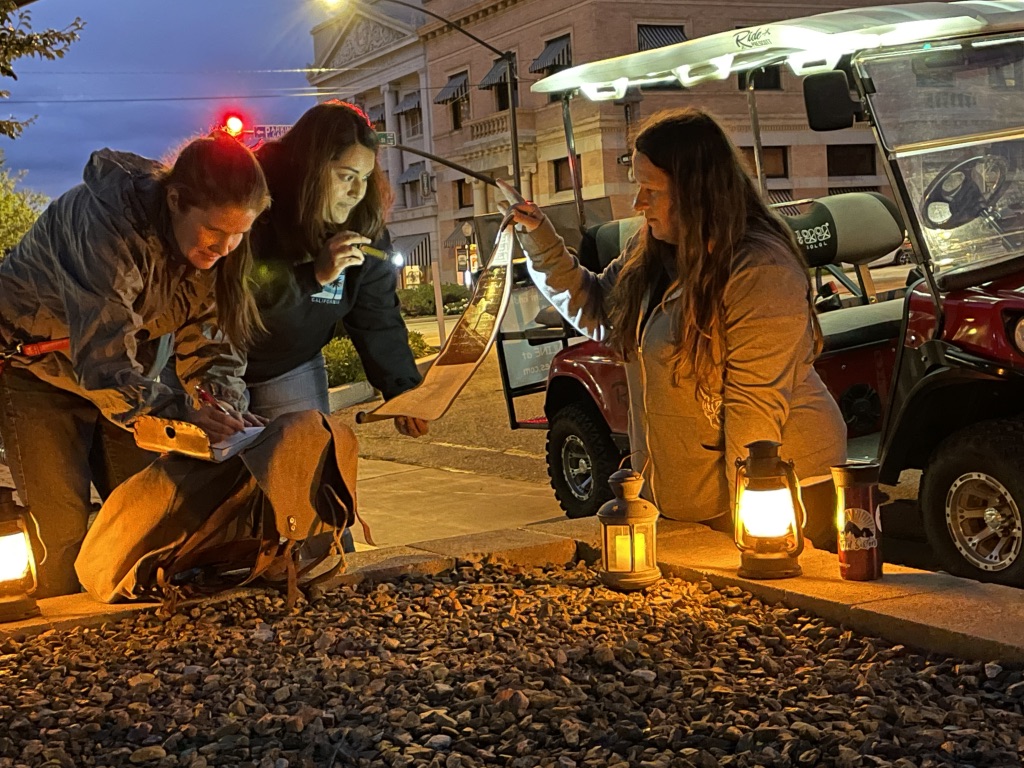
[932,612]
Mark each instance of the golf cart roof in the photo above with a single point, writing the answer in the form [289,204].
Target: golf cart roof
[807,45]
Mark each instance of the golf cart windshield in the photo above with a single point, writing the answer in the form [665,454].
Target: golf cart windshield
[950,115]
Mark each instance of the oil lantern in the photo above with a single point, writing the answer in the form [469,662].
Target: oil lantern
[17,565]
[769,516]
[628,528]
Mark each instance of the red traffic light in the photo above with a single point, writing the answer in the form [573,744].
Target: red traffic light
[233,125]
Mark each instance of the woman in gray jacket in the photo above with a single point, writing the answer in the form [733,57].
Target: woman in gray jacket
[710,308]
[136,252]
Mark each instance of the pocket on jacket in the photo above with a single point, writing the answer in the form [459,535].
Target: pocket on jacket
[683,436]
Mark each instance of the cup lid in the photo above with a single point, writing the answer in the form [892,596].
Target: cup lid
[855,472]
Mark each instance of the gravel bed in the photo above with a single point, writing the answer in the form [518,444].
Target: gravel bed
[498,666]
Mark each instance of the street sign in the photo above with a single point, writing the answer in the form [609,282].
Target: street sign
[268,132]
[387,138]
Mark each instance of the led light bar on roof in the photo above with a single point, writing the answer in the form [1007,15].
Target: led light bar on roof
[807,45]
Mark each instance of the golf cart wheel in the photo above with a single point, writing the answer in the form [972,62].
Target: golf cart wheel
[972,498]
[581,456]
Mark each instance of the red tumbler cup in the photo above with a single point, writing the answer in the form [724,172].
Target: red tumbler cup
[858,522]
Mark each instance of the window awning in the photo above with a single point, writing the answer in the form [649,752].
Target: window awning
[375,113]
[412,173]
[408,103]
[556,53]
[415,249]
[651,36]
[778,196]
[842,190]
[456,239]
[456,87]
[497,76]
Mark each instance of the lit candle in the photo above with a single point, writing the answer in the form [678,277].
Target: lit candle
[622,559]
[622,551]
[14,554]
[639,548]
[767,514]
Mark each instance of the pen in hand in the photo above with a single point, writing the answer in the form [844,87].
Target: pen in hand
[209,399]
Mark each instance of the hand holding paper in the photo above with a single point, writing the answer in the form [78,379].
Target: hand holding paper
[527,216]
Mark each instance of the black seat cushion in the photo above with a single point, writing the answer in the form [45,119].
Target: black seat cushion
[860,325]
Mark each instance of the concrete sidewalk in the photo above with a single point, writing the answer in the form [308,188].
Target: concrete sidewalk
[423,520]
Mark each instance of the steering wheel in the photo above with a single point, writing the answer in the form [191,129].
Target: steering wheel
[962,186]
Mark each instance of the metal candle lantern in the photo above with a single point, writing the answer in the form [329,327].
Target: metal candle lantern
[769,514]
[17,564]
[628,529]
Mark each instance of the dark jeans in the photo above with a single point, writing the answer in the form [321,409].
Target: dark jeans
[57,443]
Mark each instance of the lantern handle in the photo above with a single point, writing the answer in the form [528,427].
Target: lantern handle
[39,536]
[630,455]
[798,499]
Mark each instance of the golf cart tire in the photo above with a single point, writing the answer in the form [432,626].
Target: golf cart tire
[578,430]
[989,455]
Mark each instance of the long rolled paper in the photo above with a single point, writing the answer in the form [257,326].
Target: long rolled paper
[470,340]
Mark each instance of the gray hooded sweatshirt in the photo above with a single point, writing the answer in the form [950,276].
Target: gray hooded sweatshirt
[764,388]
[102,267]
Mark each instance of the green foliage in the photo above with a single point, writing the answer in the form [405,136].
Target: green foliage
[419,300]
[18,208]
[344,366]
[18,40]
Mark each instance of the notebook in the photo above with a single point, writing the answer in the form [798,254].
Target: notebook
[229,446]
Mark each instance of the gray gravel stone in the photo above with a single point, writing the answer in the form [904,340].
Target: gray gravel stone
[498,666]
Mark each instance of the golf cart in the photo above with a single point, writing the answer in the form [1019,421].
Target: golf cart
[932,380]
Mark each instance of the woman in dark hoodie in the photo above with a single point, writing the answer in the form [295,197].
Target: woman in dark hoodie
[330,200]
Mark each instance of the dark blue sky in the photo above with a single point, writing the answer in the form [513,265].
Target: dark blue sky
[134,79]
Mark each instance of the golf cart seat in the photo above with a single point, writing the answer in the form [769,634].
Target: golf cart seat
[848,228]
[852,228]
[861,325]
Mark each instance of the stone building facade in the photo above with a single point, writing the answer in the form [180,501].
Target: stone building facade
[372,56]
[466,108]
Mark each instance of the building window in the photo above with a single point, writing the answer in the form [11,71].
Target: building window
[456,95]
[496,80]
[460,112]
[463,194]
[775,159]
[651,36]
[413,123]
[556,56]
[851,160]
[765,79]
[563,177]
[1010,76]
[411,113]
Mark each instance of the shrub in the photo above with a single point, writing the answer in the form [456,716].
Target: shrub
[419,300]
[344,366]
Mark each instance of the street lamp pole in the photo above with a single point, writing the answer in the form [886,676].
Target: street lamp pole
[511,81]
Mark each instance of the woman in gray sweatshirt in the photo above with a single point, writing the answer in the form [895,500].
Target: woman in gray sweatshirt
[710,308]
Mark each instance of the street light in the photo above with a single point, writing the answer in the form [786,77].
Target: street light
[511,82]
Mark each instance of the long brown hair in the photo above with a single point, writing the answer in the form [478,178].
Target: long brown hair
[217,171]
[297,168]
[719,214]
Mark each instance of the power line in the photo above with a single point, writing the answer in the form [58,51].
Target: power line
[129,100]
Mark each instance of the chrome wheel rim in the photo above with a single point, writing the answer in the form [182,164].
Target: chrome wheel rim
[577,468]
[984,522]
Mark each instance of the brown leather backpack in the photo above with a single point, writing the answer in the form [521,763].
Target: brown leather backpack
[185,527]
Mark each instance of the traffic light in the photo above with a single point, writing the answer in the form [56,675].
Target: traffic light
[233,125]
